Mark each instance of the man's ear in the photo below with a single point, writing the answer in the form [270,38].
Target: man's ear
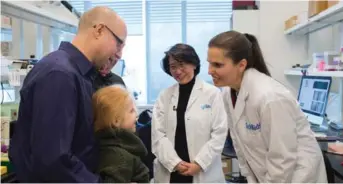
[97,30]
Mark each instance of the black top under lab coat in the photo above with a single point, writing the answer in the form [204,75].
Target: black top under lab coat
[181,147]
[53,138]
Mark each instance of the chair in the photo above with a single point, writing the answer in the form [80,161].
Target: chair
[330,172]
[229,152]
[144,133]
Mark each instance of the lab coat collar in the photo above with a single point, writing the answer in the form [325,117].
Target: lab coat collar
[197,85]
[196,91]
[243,94]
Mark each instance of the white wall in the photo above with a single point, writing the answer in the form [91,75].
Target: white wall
[281,52]
[16,40]
[267,24]
[247,21]
[46,32]
[30,37]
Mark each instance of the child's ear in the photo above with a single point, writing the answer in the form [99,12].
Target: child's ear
[116,124]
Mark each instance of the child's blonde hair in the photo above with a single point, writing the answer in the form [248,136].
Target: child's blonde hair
[109,106]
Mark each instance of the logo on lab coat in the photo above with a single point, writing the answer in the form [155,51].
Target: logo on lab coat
[205,106]
[251,126]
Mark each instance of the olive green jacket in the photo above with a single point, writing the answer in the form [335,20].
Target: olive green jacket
[119,157]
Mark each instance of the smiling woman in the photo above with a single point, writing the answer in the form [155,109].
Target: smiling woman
[189,123]
[261,109]
[181,62]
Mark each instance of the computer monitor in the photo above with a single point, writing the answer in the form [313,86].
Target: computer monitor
[313,97]
[119,68]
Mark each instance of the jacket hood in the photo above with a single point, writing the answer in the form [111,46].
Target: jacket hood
[122,138]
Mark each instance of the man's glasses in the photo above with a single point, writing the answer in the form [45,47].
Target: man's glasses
[120,42]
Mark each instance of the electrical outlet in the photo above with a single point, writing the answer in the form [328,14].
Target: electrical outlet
[14,114]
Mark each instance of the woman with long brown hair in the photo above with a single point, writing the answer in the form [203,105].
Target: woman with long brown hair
[271,135]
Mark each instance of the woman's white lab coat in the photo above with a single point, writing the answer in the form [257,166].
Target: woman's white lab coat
[206,129]
[271,135]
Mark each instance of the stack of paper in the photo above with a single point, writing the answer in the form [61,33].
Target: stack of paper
[336,148]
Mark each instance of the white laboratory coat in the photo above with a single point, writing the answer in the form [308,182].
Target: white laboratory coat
[206,129]
[271,135]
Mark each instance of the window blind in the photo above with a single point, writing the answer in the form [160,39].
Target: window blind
[78,5]
[208,11]
[130,10]
[164,11]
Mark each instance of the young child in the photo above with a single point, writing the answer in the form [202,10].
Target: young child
[120,149]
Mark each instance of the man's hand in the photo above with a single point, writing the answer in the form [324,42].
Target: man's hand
[181,167]
[193,169]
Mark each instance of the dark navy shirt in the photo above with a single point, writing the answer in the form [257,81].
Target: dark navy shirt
[53,137]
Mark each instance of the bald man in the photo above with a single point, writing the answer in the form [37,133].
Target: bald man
[53,137]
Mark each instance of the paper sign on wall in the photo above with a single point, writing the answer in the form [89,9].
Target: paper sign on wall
[6,48]
[6,22]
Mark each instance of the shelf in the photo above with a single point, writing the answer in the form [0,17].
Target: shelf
[325,18]
[25,10]
[335,74]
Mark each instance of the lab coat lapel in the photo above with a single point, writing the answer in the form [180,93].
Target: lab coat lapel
[240,105]
[175,97]
[196,91]
[242,96]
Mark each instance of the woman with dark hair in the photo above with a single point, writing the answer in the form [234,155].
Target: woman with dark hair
[271,135]
[189,124]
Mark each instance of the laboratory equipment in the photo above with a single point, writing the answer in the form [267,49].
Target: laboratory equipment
[313,98]
[318,61]
[325,61]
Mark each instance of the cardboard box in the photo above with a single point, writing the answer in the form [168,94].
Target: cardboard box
[227,166]
[315,7]
[3,170]
[291,22]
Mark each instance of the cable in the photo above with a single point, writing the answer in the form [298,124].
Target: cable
[332,97]
[9,95]
[2,92]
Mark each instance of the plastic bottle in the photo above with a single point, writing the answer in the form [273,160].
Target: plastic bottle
[321,66]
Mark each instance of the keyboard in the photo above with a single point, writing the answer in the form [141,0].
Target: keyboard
[336,126]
